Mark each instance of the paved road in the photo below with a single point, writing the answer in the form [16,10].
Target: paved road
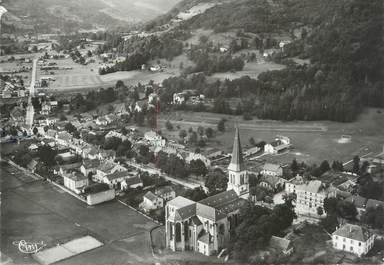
[32,89]
[152,170]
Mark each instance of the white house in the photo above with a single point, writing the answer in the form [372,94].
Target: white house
[154,139]
[195,156]
[115,179]
[116,134]
[89,166]
[132,183]
[354,239]
[281,143]
[75,181]
[269,169]
[106,168]
[166,192]
[179,98]
[151,202]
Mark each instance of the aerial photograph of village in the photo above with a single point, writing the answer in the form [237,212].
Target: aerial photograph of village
[188,132]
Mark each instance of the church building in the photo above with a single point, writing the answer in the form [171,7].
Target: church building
[205,226]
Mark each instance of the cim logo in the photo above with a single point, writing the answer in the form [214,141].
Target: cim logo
[29,247]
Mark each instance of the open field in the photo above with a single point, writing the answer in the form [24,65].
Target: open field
[251,69]
[312,142]
[37,211]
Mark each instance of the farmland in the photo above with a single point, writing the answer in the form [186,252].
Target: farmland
[312,141]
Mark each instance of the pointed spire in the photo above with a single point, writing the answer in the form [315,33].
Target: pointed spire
[237,163]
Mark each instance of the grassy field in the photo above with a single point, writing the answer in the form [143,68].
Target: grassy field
[312,141]
[37,211]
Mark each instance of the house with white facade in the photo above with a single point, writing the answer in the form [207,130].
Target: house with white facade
[354,239]
[269,169]
[115,179]
[151,202]
[89,166]
[154,139]
[310,195]
[75,181]
[280,144]
[166,192]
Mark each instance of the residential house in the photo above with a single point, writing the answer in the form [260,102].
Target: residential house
[45,108]
[151,202]
[251,151]
[106,168]
[269,169]
[116,134]
[280,144]
[272,182]
[75,181]
[140,105]
[101,121]
[310,195]
[120,109]
[111,118]
[107,155]
[64,138]
[115,179]
[89,166]
[195,156]
[166,192]
[17,115]
[132,183]
[354,239]
[154,139]
[179,98]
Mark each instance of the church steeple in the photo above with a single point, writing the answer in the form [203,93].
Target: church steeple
[237,175]
[237,163]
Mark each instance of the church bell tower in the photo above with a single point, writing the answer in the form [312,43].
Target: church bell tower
[237,175]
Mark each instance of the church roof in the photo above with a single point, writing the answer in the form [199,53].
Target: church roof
[237,163]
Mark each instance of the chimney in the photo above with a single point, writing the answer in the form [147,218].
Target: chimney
[350,229]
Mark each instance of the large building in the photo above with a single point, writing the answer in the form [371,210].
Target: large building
[310,195]
[354,239]
[206,226]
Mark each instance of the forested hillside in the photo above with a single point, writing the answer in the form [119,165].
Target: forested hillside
[343,41]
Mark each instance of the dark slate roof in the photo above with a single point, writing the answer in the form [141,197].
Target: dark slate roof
[280,243]
[354,232]
[204,238]
[164,190]
[196,221]
[222,198]
[91,163]
[133,181]
[119,174]
[96,188]
[357,200]
[185,212]
[237,163]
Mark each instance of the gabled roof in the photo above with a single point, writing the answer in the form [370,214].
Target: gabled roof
[237,163]
[76,176]
[271,167]
[222,198]
[96,188]
[106,167]
[272,180]
[185,212]
[133,181]
[354,232]
[164,190]
[118,175]
[150,196]
[313,186]
[204,238]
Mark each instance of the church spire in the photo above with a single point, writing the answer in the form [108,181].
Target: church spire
[237,163]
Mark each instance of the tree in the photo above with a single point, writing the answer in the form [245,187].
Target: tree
[196,194]
[221,125]
[35,130]
[324,167]
[252,141]
[320,211]
[169,125]
[294,166]
[337,166]
[182,134]
[216,182]
[356,164]
[47,155]
[329,223]
[346,210]
[192,138]
[200,130]
[209,132]
[198,167]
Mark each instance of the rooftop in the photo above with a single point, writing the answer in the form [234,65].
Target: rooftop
[354,232]
[150,196]
[120,174]
[271,167]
